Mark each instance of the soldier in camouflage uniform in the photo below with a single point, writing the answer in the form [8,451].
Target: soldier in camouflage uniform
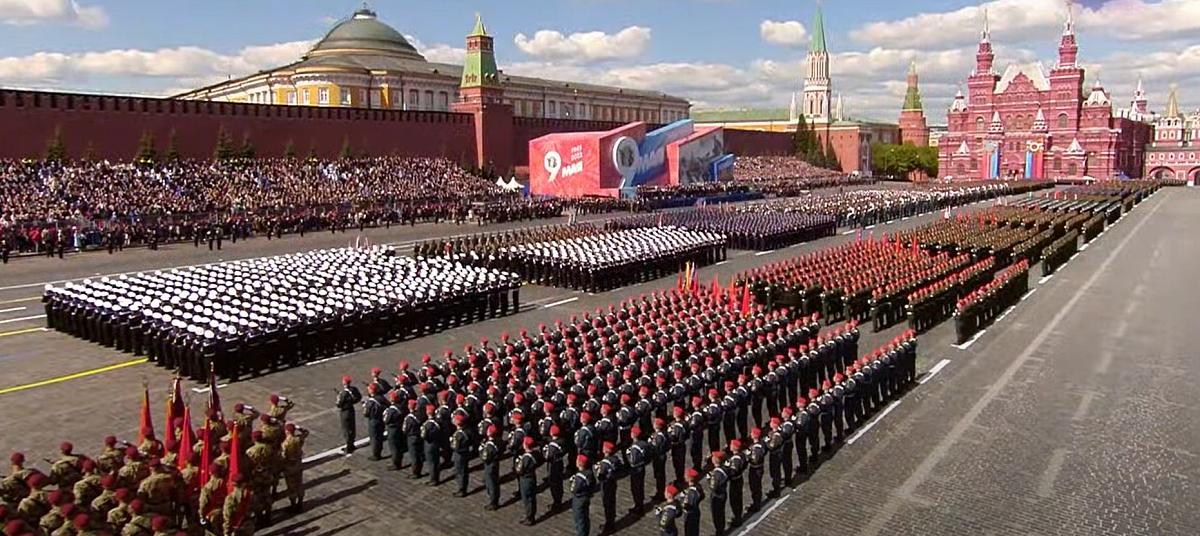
[292,454]
[265,468]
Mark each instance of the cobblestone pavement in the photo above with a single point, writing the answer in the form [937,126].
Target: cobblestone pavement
[1071,416]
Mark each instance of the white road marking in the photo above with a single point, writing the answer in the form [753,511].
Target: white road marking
[851,231]
[1028,294]
[207,389]
[34,317]
[933,371]
[862,431]
[761,253]
[720,263]
[1044,279]
[13,309]
[322,455]
[559,302]
[968,344]
[764,515]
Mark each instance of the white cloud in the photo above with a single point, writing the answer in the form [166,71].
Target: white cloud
[1022,21]
[438,52]
[582,47]
[788,33]
[24,12]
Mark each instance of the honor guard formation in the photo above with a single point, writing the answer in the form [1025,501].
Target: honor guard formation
[221,479]
[247,317]
[860,208]
[654,391]
[745,230]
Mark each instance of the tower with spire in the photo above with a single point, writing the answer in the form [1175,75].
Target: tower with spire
[1138,104]
[1168,128]
[482,95]
[1066,78]
[913,127]
[817,86]
[982,82]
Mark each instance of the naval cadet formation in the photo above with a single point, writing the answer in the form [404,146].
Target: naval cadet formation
[696,399]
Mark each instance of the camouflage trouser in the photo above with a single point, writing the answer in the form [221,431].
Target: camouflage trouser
[261,497]
[295,484]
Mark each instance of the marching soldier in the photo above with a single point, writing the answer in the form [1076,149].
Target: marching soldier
[279,407]
[527,481]
[774,445]
[212,500]
[690,500]
[373,409]
[113,456]
[583,484]
[393,420]
[347,398]
[637,455]
[718,484]
[266,466]
[735,468]
[555,456]
[68,469]
[679,435]
[608,472]
[431,433]
[668,514]
[292,452]
[460,444]
[756,456]
[139,521]
[491,452]
[697,425]
[787,432]
[381,385]
[660,446]
[89,485]
[413,425]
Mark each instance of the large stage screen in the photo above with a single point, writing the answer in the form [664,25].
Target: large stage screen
[565,165]
[692,158]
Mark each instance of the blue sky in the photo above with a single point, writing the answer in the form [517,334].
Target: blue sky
[719,53]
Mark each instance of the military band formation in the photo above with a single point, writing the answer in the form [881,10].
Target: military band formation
[247,317]
[220,480]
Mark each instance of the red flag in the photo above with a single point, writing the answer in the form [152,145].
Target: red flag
[678,281]
[187,440]
[214,398]
[716,286]
[746,301]
[206,454]
[147,427]
[733,296]
[235,456]
[175,409]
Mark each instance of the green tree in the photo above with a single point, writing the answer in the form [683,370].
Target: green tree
[247,152]
[927,160]
[173,147]
[901,160]
[347,152]
[147,149]
[831,158]
[56,149]
[224,149]
[289,150]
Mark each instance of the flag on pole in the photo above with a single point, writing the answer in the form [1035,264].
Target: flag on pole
[214,398]
[147,426]
[174,410]
[187,440]
[746,300]
[235,457]
[206,454]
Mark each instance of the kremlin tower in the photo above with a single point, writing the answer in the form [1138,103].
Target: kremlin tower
[912,116]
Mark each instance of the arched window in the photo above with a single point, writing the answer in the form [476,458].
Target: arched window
[1058,163]
[1072,168]
[979,123]
[1062,120]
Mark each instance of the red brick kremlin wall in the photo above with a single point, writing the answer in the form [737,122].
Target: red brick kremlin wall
[111,127]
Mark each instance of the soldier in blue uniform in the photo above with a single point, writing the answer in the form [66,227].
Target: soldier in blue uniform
[608,473]
[555,455]
[736,469]
[431,435]
[491,451]
[690,500]
[660,448]
[347,398]
[718,485]
[756,456]
[583,485]
[461,445]
[393,419]
[678,432]
[526,470]
[668,513]
[638,454]
[373,409]
[412,435]
[774,444]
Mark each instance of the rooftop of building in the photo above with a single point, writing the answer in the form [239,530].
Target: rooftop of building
[364,43]
[766,115]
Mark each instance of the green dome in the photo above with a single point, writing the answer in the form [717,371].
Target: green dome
[363,32]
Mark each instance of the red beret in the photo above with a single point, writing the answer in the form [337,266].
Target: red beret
[756,432]
[376,370]
[159,523]
[492,430]
[692,473]
[67,510]
[264,418]
[528,441]
[81,521]
[123,494]
[17,458]
[274,399]
[110,441]
[608,445]
[582,459]
[678,411]
[289,428]
[554,430]
[14,527]
[712,392]
[256,435]
[671,490]
[56,497]
[239,407]
[635,431]
[736,444]
[66,447]
[346,379]
[131,451]
[775,421]
[658,421]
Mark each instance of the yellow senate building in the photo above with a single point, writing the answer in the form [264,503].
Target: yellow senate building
[364,63]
